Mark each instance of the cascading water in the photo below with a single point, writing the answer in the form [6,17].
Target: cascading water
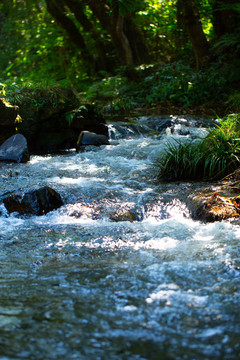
[81,283]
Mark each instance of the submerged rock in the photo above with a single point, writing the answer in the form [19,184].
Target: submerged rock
[126,215]
[15,149]
[101,210]
[35,202]
[79,210]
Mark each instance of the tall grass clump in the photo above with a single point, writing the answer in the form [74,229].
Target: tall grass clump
[180,161]
[211,158]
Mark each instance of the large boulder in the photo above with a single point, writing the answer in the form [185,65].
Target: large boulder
[14,149]
[90,138]
[52,119]
[49,118]
[217,203]
[35,202]
[44,124]
[8,116]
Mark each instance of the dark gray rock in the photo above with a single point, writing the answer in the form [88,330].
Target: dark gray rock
[14,149]
[35,202]
[87,138]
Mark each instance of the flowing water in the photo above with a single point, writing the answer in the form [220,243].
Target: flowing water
[81,283]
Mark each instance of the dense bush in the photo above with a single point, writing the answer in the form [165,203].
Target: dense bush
[176,84]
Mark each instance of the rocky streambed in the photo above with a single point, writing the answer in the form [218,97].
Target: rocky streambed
[120,270]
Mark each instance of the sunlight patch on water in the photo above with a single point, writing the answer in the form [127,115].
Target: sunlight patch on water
[178,210]
[210,332]
[87,168]
[36,159]
[143,144]
[54,219]
[158,244]
[74,181]
[178,229]
[171,295]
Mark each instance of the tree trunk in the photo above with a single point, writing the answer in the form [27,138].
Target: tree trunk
[126,38]
[56,9]
[137,42]
[100,49]
[189,14]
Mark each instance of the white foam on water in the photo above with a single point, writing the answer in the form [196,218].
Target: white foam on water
[165,277]
[10,224]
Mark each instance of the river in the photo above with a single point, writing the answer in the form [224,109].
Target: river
[78,283]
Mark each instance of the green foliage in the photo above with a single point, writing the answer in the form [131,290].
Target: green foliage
[33,49]
[2,91]
[70,116]
[108,91]
[205,10]
[38,95]
[180,161]
[40,102]
[106,88]
[211,158]
[178,83]
[159,22]
[233,102]
[228,42]
[126,6]
[155,84]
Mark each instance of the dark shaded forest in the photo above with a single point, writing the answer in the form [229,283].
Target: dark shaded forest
[124,55]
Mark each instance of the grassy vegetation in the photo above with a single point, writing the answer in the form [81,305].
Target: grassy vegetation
[211,158]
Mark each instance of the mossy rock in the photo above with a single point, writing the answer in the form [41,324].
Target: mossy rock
[213,207]
[52,118]
[39,104]
[8,116]
[217,203]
